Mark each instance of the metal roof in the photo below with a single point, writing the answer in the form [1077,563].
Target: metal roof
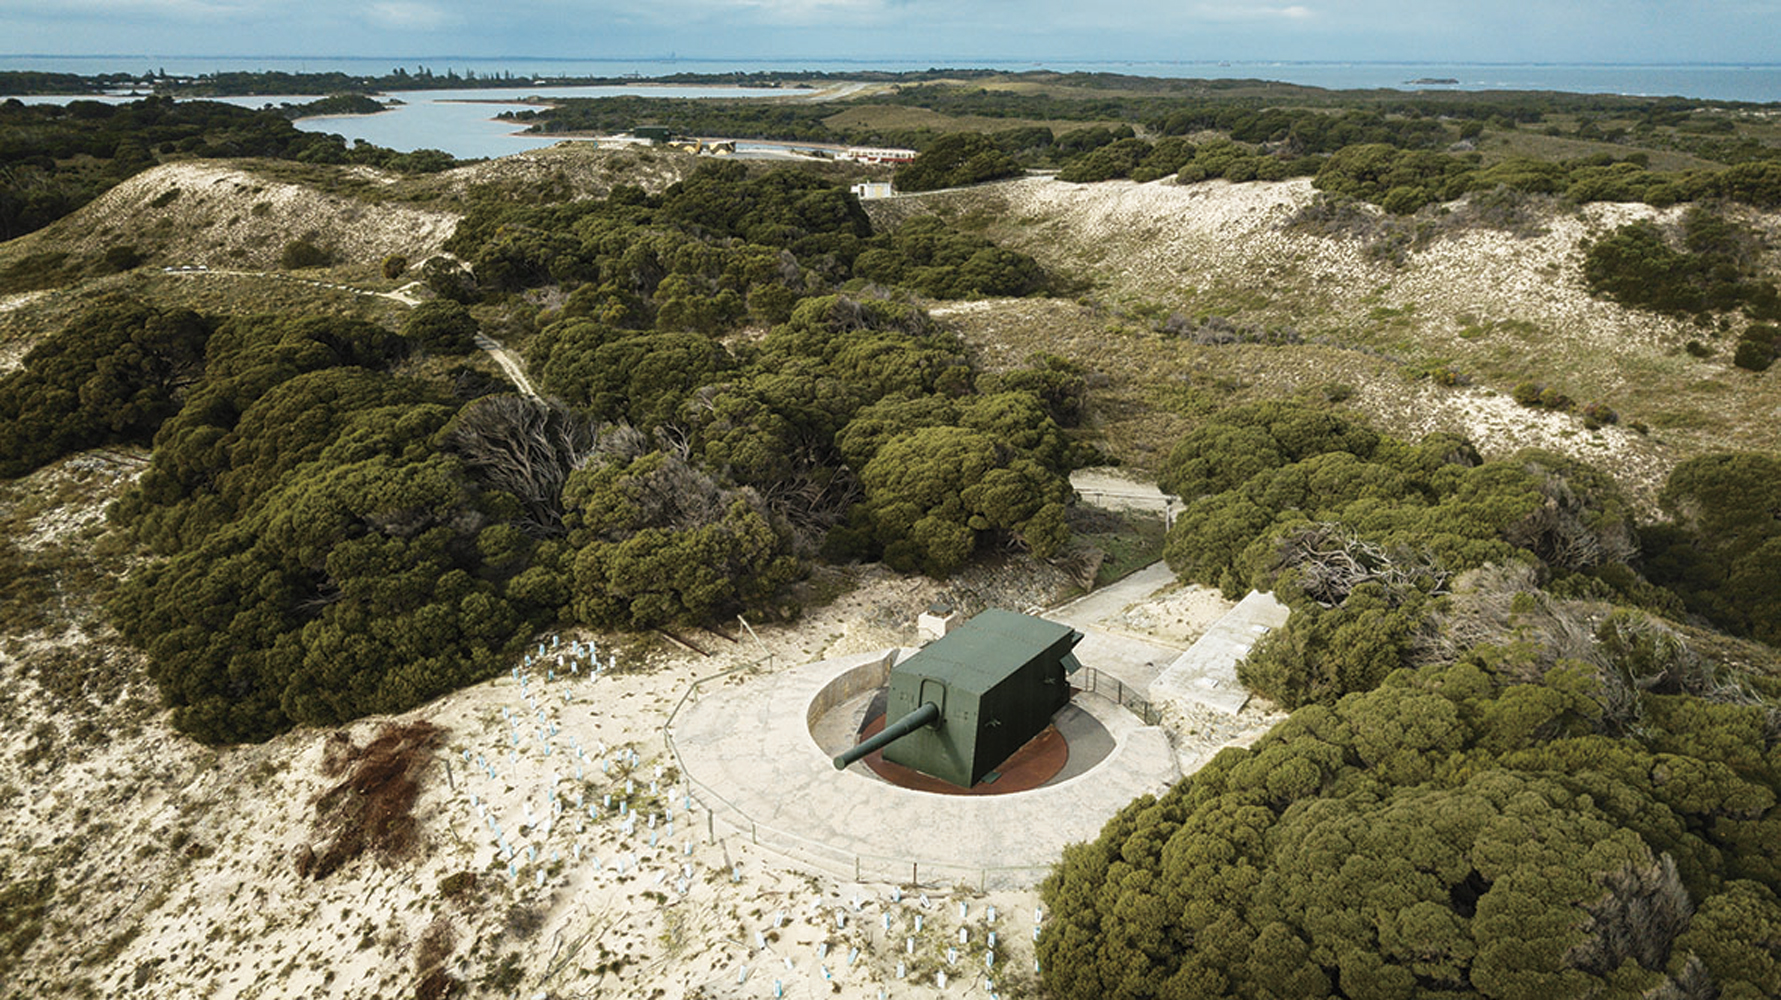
[981,653]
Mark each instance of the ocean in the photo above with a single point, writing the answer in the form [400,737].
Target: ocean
[1719,82]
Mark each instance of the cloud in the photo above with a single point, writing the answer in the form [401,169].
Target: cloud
[780,12]
[152,9]
[410,15]
[1253,12]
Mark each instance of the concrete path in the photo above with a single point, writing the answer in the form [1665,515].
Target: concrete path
[1135,660]
[1207,672]
[1099,605]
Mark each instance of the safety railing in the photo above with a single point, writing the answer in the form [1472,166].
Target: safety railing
[1094,681]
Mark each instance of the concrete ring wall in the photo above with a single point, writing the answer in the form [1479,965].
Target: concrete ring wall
[751,759]
[848,685]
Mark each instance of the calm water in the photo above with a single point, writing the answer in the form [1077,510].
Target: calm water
[460,122]
[431,119]
[440,119]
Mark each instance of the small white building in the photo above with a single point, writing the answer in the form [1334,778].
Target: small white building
[877,154]
[872,189]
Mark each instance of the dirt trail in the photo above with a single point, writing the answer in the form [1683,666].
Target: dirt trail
[510,364]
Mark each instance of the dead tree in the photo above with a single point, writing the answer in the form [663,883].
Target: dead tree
[526,447]
[1329,561]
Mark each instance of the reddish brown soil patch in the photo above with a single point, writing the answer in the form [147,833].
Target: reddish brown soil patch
[370,810]
[1029,767]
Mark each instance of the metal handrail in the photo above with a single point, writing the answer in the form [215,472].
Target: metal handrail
[1124,695]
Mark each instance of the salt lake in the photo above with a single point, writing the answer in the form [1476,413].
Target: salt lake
[460,122]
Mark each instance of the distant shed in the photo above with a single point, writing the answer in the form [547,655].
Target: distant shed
[997,680]
[872,189]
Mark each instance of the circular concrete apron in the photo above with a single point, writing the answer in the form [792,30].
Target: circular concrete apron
[747,749]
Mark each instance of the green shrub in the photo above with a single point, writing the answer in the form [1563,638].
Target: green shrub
[111,375]
[1758,347]
[442,326]
[301,253]
[954,160]
[1465,824]
[1636,266]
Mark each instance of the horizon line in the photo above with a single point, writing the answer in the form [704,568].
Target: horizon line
[958,62]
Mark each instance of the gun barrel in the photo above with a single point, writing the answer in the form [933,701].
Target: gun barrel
[927,714]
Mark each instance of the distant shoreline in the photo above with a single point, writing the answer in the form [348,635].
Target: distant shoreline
[1752,83]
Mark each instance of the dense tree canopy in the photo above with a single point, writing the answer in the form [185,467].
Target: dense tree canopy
[1479,826]
[1715,271]
[955,160]
[110,376]
[330,538]
[721,249]
[1509,773]
[321,556]
[1358,533]
[1720,551]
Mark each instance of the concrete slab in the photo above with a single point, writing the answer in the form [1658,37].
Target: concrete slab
[1134,661]
[1207,672]
[747,750]
[1100,605]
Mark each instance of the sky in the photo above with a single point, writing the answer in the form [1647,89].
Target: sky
[940,32]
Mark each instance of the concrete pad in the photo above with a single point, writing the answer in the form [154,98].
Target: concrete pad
[1132,660]
[1207,672]
[746,749]
[1109,601]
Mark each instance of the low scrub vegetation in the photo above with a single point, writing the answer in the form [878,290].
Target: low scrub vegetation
[1714,272]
